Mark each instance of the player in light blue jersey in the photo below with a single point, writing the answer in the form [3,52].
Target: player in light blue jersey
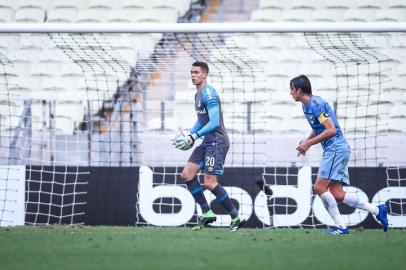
[333,169]
[211,153]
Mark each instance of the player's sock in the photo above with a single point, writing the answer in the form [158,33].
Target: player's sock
[331,205]
[197,191]
[352,200]
[222,197]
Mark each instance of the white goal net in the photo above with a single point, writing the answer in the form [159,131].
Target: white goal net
[75,102]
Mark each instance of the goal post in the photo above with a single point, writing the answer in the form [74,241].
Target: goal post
[79,100]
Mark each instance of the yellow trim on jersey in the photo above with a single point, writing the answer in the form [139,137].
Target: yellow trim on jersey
[323,117]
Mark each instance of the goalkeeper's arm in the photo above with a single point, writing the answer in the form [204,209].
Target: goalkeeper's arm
[214,122]
[196,127]
[186,142]
[213,110]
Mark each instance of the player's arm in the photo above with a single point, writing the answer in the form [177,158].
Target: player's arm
[311,136]
[197,126]
[330,131]
[213,109]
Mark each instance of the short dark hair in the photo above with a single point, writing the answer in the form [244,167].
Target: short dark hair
[202,65]
[303,83]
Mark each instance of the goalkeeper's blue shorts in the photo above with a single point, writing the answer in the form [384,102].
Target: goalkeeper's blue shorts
[334,166]
[210,156]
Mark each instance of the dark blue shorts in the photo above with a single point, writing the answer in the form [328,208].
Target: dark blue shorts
[210,157]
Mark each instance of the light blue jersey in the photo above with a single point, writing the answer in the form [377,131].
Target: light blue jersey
[316,112]
[334,164]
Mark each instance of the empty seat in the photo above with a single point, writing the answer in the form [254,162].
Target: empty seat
[73,4]
[72,94]
[71,70]
[297,125]
[396,4]
[358,15]
[395,84]
[305,4]
[323,69]
[186,96]
[244,96]
[31,42]
[131,4]
[53,85]
[101,4]
[62,15]
[7,4]
[91,16]
[164,3]
[342,4]
[8,70]
[398,110]
[284,109]
[8,124]
[327,15]
[19,57]
[182,6]
[391,15]
[369,4]
[123,16]
[30,15]
[170,124]
[163,15]
[22,86]
[44,70]
[397,125]
[50,56]
[402,70]
[266,15]
[297,15]
[6,15]
[35,4]
[273,4]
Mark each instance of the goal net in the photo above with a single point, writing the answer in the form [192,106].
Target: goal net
[89,118]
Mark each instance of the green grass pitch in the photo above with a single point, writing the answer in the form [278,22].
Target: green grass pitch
[212,248]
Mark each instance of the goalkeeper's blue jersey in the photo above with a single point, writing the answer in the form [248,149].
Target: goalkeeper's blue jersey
[316,112]
[210,122]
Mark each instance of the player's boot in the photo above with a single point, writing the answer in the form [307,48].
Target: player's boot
[204,220]
[382,217]
[236,223]
[337,230]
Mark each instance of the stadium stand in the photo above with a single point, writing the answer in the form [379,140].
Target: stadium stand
[43,73]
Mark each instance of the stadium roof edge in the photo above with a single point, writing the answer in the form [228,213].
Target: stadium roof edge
[200,27]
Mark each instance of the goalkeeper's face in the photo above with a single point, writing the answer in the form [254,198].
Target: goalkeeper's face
[198,75]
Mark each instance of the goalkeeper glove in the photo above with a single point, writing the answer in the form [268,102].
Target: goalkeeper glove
[185,142]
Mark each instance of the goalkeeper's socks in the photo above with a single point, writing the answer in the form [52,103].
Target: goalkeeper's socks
[197,191]
[352,200]
[224,200]
[331,205]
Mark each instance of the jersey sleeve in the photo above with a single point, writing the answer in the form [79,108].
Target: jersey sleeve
[319,110]
[196,127]
[212,103]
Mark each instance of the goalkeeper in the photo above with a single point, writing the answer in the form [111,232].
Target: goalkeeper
[211,153]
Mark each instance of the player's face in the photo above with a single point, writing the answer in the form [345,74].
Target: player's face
[295,93]
[198,75]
